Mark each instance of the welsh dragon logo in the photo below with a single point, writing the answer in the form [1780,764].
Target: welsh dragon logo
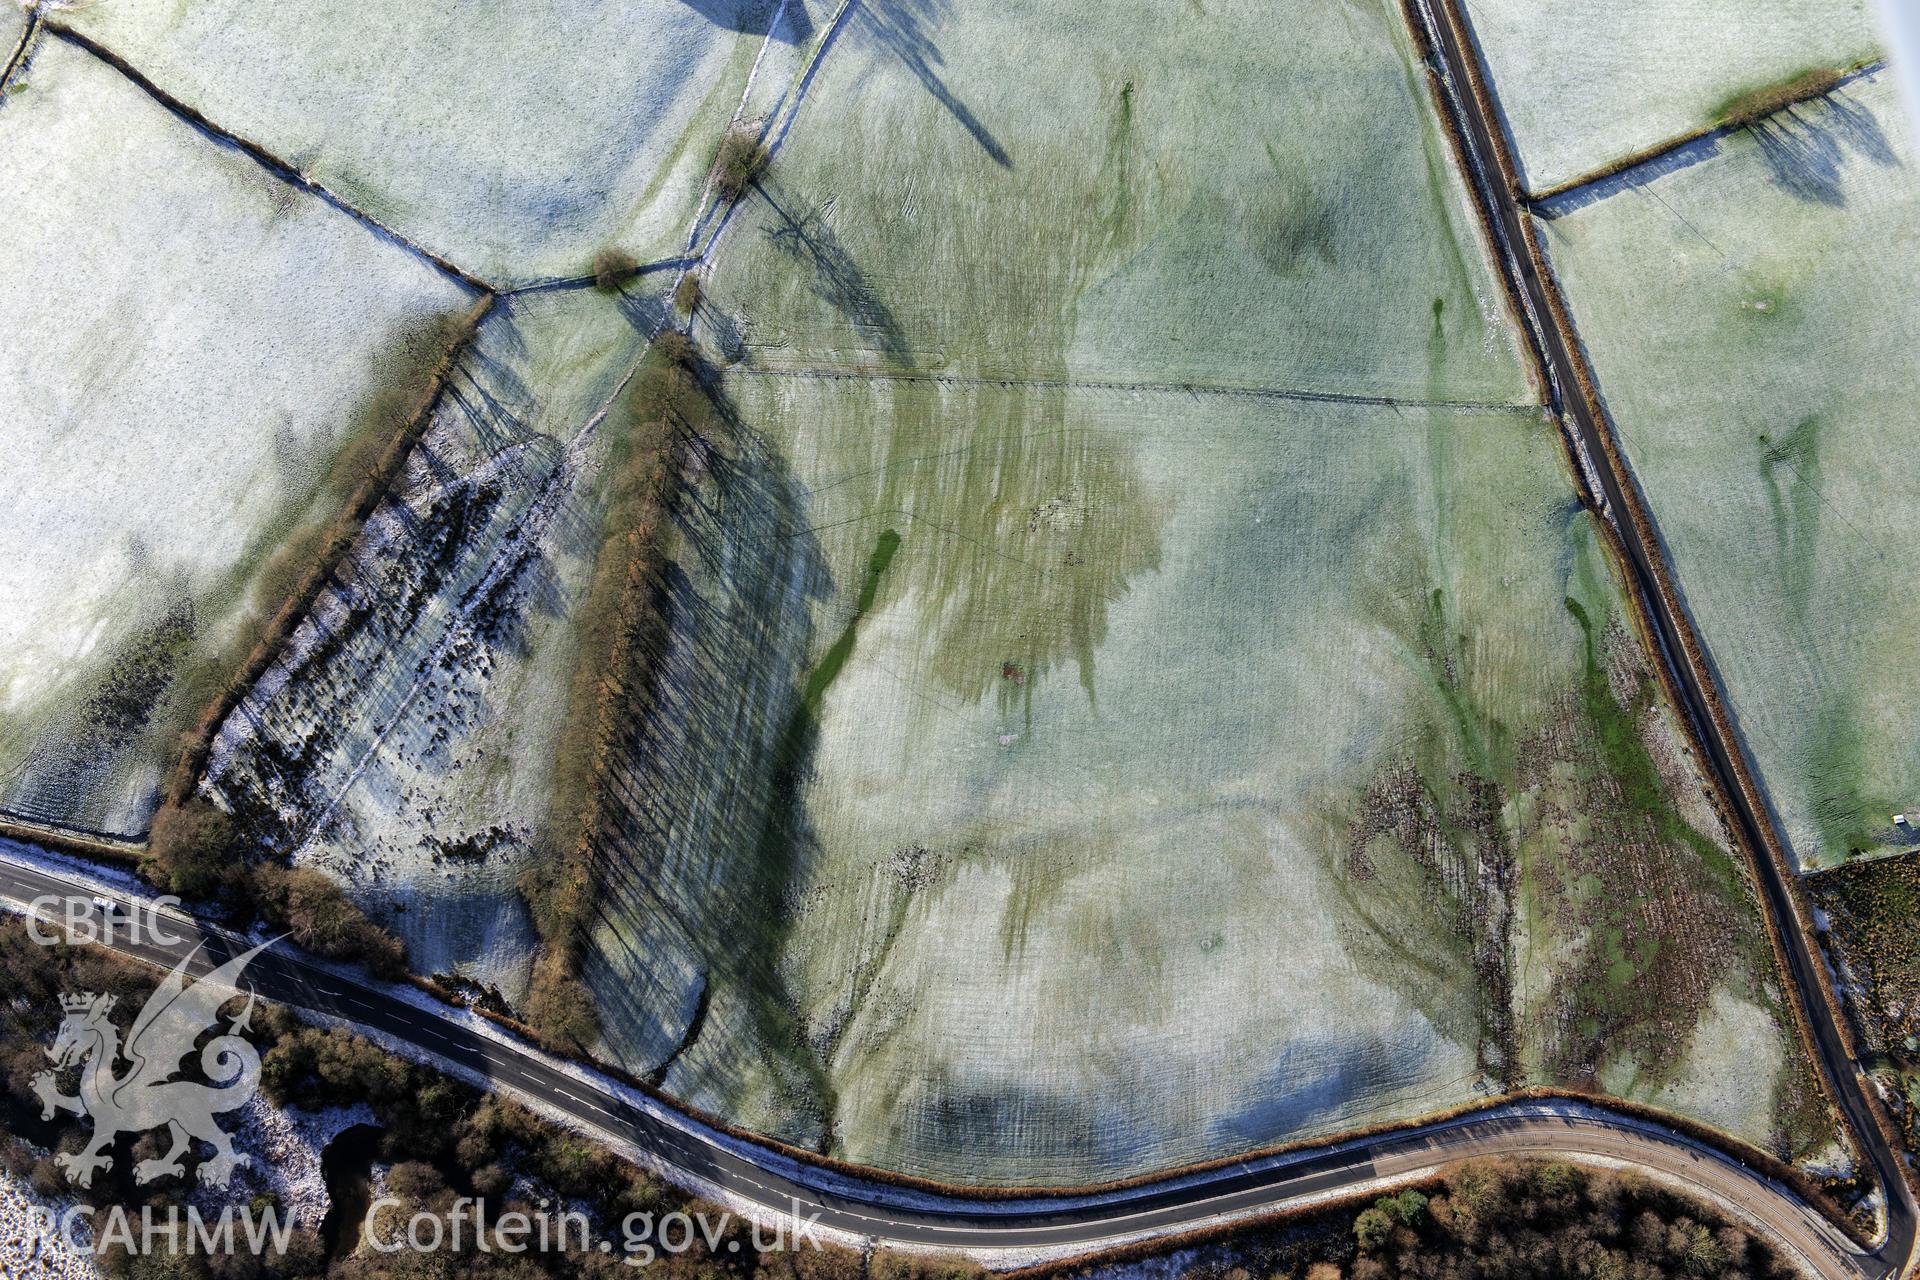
[146,1096]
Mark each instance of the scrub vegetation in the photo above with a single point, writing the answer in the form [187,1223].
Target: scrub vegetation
[686,294]
[612,268]
[1871,911]
[197,851]
[1529,1219]
[738,166]
[438,1139]
[1524,1219]
[1754,105]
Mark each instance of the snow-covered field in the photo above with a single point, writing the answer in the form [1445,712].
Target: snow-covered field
[403,742]
[1249,197]
[1753,327]
[516,140]
[1584,84]
[189,340]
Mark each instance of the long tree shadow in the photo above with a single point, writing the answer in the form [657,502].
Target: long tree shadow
[805,236]
[1806,146]
[901,28]
[707,838]
[788,23]
[450,581]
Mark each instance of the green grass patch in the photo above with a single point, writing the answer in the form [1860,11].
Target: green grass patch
[1626,759]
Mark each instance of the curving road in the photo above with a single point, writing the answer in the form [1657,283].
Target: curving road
[1497,189]
[1004,1231]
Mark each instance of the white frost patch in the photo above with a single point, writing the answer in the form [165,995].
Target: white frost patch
[1835,1160]
[286,1145]
[514,139]
[1727,1078]
[27,1251]
[1583,84]
[188,340]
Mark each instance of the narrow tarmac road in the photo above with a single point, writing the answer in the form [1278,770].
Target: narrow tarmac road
[1001,1231]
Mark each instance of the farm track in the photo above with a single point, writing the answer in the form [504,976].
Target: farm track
[1493,177]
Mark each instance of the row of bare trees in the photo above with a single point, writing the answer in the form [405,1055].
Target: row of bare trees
[619,629]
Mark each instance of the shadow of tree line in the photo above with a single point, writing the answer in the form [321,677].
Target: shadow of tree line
[707,833]
[1805,146]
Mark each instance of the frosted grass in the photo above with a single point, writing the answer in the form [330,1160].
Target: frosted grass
[404,741]
[516,140]
[189,340]
[1223,198]
[1752,321]
[1582,84]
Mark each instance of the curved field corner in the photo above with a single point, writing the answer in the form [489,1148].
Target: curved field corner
[202,360]
[1726,315]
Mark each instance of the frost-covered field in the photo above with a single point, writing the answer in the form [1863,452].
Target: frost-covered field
[1138,683]
[516,140]
[1754,333]
[13,28]
[1137,771]
[1583,84]
[1240,198]
[1061,770]
[404,740]
[189,340]
[1143,776]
